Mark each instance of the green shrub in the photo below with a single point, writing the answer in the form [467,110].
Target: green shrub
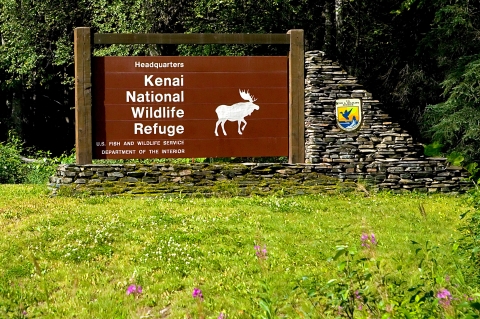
[39,171]
[44,166]
[36,169]
[365,287]
[470,241]
[12,168]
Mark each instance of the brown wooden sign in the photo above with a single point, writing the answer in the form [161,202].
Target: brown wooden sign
[153,107]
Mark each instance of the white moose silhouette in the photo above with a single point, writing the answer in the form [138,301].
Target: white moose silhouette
[236,112]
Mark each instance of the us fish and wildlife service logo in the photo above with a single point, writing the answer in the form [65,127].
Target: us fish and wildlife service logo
[348,113]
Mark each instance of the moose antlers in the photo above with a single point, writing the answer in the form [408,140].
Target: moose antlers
[246,96]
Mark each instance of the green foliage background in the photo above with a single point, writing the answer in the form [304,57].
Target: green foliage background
[419,57]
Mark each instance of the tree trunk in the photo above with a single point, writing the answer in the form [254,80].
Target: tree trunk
[339,25]
[330,42]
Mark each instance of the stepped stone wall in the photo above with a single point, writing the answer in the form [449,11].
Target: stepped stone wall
[380,150]
[380,153]
[379,137]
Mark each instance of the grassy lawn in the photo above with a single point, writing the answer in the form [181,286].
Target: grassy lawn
[67,257]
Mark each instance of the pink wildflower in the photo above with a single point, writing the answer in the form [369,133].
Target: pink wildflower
[444,297]
[132,289]
[368,240]
[197,293]
[259,252]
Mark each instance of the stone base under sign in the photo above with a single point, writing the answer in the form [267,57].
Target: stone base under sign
[203,179]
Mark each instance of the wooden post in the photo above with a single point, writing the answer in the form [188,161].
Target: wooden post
[83,95]
[296,96]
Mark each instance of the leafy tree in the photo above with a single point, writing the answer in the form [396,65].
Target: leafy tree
[379,43]
[248,16]
[34,82]
[456,122]
[455,40]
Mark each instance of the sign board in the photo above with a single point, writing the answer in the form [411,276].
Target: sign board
[348,113]
[185,107]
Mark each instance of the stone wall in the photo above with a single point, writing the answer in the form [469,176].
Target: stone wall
[378,138]
[379,150]
[255,179]
[380,153]
[195,179]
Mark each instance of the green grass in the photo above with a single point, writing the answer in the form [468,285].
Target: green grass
[67,257]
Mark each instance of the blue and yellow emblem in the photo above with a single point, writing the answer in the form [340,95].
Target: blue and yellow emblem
[348,113]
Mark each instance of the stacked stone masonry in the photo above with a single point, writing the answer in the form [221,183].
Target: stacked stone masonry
[380,153]
[258,179]
[380,150]
[196,179]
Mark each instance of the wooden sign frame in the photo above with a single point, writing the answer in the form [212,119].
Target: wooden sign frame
[83,44]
